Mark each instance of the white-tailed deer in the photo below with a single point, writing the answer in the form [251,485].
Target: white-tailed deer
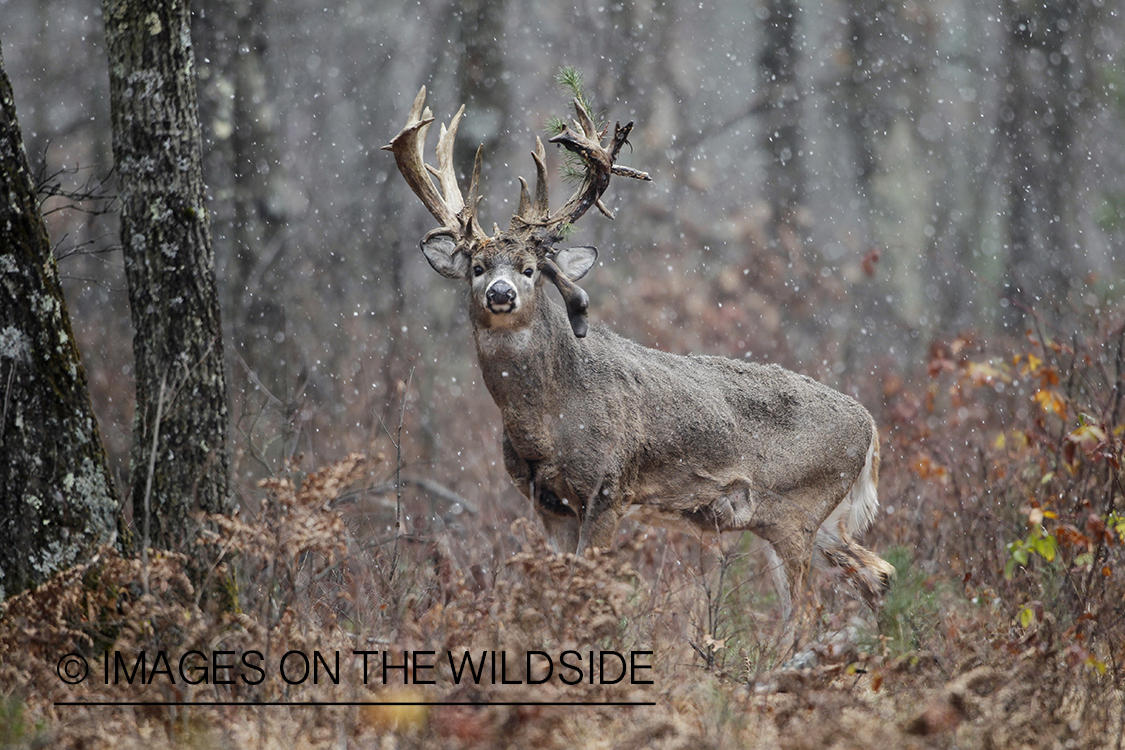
[596,425]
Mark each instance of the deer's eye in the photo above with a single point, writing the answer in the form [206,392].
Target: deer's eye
[478,270]
[529,272]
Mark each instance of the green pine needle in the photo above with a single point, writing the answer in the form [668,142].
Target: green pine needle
[569,78]
[555,125]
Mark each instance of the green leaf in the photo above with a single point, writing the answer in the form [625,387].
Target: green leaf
[1047,547]
[1117,521]
[1027,617]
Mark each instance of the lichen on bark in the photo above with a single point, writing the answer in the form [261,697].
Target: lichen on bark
[57,501]
[180,428]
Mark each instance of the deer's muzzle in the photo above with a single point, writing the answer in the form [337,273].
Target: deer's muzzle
[500,297]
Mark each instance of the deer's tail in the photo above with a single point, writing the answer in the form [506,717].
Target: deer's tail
[868,573]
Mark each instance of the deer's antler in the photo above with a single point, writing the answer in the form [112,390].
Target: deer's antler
[581,137]
[449,207]
[533,219]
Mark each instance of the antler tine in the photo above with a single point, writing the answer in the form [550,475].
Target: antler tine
[585,121]
[470,213]
[525,203]
[448,207]
[598,169]
[445,172]
[528,213]
[584,140]
[542,202]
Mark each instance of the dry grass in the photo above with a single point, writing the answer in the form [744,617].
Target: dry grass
[1003,510]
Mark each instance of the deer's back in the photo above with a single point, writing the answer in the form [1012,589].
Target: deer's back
[692,420]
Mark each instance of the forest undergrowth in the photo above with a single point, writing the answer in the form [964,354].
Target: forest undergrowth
[427,617]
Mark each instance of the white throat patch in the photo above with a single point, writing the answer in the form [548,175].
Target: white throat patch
[493,341]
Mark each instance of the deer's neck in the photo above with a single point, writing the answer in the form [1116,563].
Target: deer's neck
[527,371]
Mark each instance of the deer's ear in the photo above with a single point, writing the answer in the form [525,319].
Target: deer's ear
[441,251]
[576,262]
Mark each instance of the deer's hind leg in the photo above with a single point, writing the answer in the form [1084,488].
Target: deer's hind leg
[791,531]
[790,560]
[868,574]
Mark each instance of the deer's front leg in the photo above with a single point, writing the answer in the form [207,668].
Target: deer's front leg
[518,468]
[599,521]
[560,520]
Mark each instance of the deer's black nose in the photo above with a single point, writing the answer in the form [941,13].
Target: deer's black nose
[500,293]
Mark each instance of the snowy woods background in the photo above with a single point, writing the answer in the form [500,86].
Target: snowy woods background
[919,203]
[836,184]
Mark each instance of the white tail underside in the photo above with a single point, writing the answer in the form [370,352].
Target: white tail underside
[857,510]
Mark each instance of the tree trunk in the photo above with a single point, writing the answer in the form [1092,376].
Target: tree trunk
[242,165]
[1045,72]
[480,79]
[57,501]
[781,125]
[865,118]
[179,455]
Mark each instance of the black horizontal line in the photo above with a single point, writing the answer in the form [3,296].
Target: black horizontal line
[355,703]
